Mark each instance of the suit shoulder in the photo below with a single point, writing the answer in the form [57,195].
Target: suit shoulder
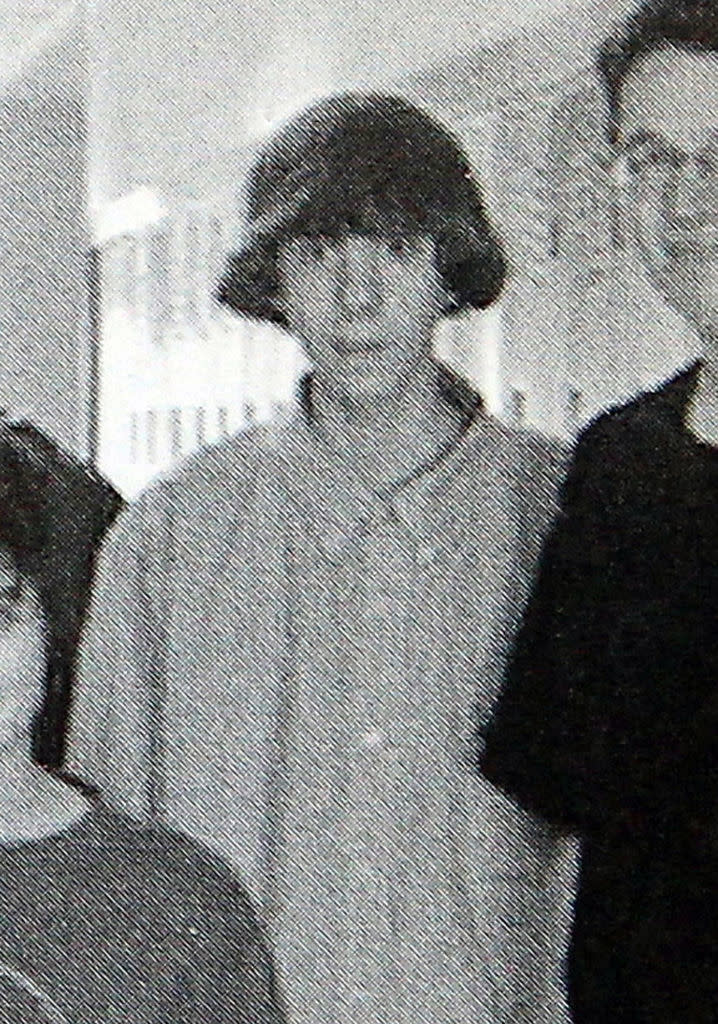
[549,451]
[607,454]
[628,453]
[656,410]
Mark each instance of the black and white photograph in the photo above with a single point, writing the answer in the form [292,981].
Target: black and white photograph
[358,512]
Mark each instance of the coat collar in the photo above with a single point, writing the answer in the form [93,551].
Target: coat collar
[451,386]
[337,506]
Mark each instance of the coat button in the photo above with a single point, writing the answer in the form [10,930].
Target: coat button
[380,606]
[373,739]
[425,554]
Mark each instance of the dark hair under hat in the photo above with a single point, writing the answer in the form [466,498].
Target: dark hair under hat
[54,512]
[685,24]
[325,168]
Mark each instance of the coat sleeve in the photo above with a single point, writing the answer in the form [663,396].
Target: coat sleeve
[113,727]
[546,744]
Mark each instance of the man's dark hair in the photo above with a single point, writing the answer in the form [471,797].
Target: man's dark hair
[690,25]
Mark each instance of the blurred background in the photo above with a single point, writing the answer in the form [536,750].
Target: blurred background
[127,130]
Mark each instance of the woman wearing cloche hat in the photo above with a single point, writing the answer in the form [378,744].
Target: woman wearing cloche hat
[293,623]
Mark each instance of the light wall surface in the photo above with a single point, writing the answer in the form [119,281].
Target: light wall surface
[181,93]
[45,357]
[181,90]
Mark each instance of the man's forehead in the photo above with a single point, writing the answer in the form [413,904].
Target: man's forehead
[672,95]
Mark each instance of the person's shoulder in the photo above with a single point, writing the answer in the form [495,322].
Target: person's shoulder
[653,412]
[225,472]
[539,448]
[232,460]
[181,897]
[158,856]
[628,452]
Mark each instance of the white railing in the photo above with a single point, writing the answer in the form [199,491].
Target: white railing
[154,440]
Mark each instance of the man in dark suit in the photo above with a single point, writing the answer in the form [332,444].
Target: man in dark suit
[608,722]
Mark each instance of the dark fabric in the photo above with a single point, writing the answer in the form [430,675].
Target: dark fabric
[608,723]
[109,922]
[54,511]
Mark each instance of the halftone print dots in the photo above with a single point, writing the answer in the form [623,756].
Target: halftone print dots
[23,1001]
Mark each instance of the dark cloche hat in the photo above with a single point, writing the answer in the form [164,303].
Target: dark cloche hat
[54,511]
[327,166]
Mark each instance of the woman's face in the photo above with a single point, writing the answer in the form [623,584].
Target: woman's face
[23,659]
[365,306]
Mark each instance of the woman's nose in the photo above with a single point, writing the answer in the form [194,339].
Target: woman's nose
[359,277]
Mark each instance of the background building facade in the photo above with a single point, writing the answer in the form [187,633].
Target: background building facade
[179,110]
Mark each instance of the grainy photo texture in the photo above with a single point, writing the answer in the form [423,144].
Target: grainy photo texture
[358,533]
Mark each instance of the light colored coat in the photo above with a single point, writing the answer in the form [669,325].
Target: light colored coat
[248,611]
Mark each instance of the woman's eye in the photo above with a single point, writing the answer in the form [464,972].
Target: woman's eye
[315,247]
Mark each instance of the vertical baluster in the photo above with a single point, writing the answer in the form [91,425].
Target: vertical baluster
[151,436]
[175,433]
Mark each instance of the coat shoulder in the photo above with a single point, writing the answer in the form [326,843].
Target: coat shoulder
[232,461]
[658,411]
[218,481]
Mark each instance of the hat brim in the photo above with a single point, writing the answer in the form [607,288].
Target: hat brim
[471,257]
[249,285]
[250,281]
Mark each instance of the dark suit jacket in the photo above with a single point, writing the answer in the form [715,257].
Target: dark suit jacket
[608,724]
